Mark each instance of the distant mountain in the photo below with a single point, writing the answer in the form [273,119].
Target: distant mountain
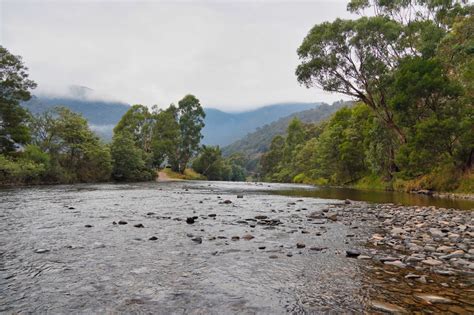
[223,128]
[101,115]
[255,143]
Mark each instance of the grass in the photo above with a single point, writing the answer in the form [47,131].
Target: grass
[189,174]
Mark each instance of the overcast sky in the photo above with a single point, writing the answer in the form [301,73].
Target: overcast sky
[232,55]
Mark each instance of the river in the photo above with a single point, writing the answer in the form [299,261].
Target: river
[196,248]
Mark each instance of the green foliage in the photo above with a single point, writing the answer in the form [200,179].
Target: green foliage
[171,135]
[213,166]
[14,88]
[410,64]
[128,161]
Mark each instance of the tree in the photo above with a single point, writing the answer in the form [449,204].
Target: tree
[358,57]
[211,164]
[191,121]
[138,122]
[14,88]
[166,137]
[76,153]
[128,163]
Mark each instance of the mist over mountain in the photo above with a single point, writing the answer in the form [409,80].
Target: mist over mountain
[257,142]
[222,128]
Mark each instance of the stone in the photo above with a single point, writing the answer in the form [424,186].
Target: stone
[41,250]
[397,231]
[150,213]
[444,249]
[240,196]
[433,299]
[300,245]
[273,256]
[332,216]
[412,276]
[153,238]
[388,259]
[317,248]
[347,202]
[212,215]
[396,263]
[387,307]
[139,225]
[432,262]
[227,202]
[436,232]
[262,247]
[98,245]
[190,220]
[260,217]
[364,257]
[248,237]
[235,238]
[456,254]
[88,226]
[121,222]
[197,240]
[353,253]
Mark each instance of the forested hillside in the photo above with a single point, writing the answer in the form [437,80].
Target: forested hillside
[411,69]
[223,128]
[259,141]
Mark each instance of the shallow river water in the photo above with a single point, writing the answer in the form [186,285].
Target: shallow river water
[60,252]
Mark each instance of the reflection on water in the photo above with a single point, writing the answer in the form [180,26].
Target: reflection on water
[378,197]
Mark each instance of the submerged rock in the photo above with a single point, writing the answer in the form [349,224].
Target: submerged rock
[387,307]
[353,253]
[197,240]
[431,298]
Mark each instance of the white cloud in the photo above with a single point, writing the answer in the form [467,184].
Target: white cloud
[231,55]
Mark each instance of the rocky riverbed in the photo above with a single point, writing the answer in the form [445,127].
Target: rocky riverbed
[199,247]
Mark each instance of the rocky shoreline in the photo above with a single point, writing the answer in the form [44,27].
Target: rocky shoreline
[425,238]
[420,245]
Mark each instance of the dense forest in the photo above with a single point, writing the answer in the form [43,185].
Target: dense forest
[58,146]
[410,66]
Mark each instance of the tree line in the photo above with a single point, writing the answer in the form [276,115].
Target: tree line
[58,146]
[410,67]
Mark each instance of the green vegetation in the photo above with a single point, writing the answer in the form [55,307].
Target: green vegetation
[211,164]
[412,72]
[57,146]
[252,146]
[144,140]
[188,174]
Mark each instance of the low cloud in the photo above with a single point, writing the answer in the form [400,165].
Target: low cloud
[231,55]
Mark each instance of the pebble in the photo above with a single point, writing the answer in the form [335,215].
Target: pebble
[197,240]
[139,225]
[300,245]
[190,220]
[432,262]
[41,250]
[430,298]
[121,222]
[153,238]
[353,253]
